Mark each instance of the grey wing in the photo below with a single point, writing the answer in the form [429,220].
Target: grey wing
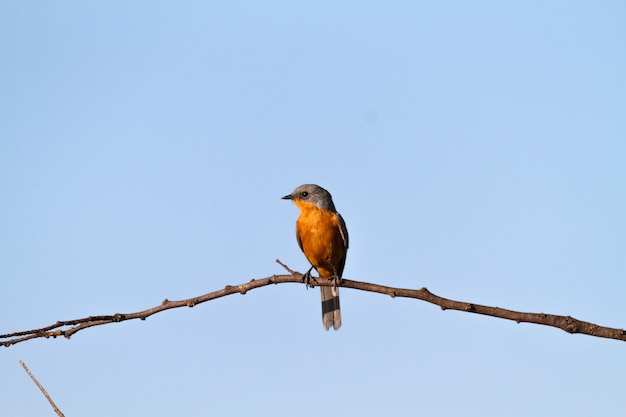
[344,230]
[345,238]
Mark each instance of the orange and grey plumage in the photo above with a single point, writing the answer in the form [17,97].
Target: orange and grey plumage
[323,237]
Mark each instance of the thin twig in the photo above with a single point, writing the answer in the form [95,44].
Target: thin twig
[566,323]
[291,271]
[54,406]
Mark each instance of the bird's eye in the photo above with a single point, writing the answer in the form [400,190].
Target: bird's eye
[304,194]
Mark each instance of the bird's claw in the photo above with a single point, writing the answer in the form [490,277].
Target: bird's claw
[308,279]
[335,279]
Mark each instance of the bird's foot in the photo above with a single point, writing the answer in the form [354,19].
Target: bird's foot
[335,279]
[308,279]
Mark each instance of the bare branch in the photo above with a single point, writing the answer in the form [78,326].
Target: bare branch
[566,323]
[54,406]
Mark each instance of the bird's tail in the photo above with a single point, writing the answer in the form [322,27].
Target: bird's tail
[331,314]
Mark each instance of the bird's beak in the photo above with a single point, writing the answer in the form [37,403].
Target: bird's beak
[287,197]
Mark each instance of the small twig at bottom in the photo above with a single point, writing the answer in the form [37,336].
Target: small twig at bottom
[54,406]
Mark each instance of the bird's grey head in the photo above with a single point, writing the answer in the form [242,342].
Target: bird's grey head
[313,194]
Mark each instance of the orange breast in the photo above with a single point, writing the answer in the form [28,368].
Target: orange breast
[319,235]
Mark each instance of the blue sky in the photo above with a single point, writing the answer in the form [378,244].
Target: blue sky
[476,149]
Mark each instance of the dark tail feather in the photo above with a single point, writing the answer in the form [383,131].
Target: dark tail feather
[331,314]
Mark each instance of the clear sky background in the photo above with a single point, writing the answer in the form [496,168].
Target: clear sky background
[474,148]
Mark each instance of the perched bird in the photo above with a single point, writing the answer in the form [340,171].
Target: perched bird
[323,237]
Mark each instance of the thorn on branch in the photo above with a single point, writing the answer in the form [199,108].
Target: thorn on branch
[165,302]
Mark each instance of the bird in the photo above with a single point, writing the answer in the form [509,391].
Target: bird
[323,237]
